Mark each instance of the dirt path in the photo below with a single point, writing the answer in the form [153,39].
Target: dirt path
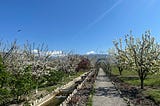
[105,92]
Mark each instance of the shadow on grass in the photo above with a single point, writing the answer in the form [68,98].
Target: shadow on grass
[129,78]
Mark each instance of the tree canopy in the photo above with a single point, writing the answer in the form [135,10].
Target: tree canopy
[141,55]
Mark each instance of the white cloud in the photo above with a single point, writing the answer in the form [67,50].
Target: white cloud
[90,52]
[35,51]
[54,53]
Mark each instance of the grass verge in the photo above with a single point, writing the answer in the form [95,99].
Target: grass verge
[151,83]
[154,94]
[64,81]
[132,78]
[89,103]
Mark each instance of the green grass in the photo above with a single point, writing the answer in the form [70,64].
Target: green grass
[135,82]
[131,77]
[89,103]
[152,82]
[124,72]
[48,88]
[70,77]
[65,80]
[154,94]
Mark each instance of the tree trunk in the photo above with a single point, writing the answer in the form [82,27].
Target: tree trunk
[36,89]
[142,82]
[120,70]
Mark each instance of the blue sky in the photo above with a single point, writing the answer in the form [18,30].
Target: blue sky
[78,25]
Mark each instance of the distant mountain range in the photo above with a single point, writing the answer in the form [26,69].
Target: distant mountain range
[91,57]
[96,56]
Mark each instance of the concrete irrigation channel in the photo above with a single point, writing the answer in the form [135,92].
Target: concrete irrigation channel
[61,95]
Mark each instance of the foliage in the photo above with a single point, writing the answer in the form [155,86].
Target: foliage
[24,69]
[3,74]
[4,82]
[4,96]
[22,83]
[90,102]
[54,77]
[83,64]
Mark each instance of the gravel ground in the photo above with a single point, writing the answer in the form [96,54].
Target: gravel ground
[105,92]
